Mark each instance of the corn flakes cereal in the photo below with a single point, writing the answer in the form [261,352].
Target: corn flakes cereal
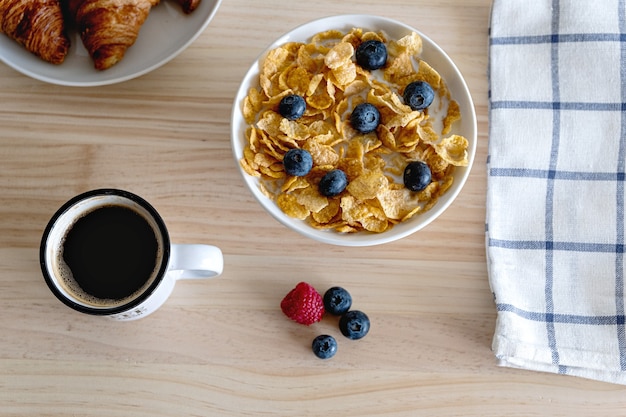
[325,73]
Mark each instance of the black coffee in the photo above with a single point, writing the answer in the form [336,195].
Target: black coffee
[111,252]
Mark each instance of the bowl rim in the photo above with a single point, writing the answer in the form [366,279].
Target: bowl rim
[362,238]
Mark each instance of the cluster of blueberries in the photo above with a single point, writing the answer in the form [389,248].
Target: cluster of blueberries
[353,324]
[365,118]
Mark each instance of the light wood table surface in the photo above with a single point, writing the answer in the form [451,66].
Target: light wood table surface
[222,347]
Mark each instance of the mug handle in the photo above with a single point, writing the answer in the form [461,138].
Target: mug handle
[194,261]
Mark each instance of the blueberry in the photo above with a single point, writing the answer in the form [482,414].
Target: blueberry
[417,176]
[371,55]
[418,95]
[365,118]
[292,107]
[354,324]
[333,183]
[337,301]
[324,346]
[297,162]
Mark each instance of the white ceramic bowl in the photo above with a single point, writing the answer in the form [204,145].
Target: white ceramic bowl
[165,34]
[435,56]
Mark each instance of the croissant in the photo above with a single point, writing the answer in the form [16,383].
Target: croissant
[188,5]
[37,25]
[109,27]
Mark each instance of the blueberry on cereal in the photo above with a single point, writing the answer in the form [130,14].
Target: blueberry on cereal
[292,107]
[365,118]
[418,95]
[297,162]
[333,183]
[417,176]
[371,55]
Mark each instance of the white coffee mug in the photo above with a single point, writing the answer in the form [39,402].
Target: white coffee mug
[107,252]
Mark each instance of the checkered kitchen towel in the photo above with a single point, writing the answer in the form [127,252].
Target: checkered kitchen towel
[556,222]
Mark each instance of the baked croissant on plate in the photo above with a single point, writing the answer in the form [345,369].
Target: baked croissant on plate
[108,27]
[188,5]
[37,25]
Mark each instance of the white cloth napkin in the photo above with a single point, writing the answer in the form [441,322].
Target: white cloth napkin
[556,222]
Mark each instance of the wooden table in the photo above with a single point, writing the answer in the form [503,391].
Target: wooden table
[223,347]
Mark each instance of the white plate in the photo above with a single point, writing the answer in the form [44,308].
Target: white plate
[435,56]
[165,34]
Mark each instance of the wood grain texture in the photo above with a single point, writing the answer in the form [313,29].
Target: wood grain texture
[222,347]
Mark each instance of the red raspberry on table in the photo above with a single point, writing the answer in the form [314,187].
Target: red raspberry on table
[303,304]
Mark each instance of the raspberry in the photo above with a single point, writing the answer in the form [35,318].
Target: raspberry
[303,304]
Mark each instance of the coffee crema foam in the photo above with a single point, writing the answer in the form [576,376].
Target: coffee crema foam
[74,291]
